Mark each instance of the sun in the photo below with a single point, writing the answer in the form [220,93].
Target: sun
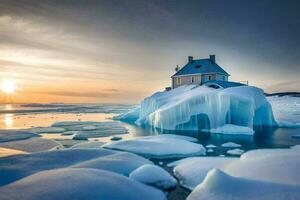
[8,86]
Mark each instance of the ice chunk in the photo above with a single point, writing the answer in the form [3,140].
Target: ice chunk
[233,130]
[192,107]
[34,144]
[192,171]
[210,150]
[211,146]
[160,146]
[153,175]
[231,145]
[219,185]
[46,130]
[235,152]
[122,163]
[88,145]
[12,135]
[71,183]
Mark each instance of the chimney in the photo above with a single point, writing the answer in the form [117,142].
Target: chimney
[212,58]
[190,59]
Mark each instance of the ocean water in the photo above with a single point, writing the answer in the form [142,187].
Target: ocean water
[23,116]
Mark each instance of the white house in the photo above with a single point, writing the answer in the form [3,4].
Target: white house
[201,71]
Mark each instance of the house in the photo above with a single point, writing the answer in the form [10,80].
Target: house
[201,71]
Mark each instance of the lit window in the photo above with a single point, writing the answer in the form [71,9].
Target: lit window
[178,81]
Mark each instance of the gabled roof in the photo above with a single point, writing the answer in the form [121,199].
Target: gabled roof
[201,66]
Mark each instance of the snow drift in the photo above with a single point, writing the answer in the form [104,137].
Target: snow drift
[192,107]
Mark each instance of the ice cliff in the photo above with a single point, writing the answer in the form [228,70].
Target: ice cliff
[192,107]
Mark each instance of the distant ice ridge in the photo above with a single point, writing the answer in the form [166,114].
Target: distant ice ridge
[192,107]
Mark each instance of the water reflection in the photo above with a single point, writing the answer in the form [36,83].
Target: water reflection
[8,120]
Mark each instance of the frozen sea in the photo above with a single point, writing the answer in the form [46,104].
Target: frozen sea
[25,116]
[30,116]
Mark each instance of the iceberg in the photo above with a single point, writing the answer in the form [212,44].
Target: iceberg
[153,175]
[193,107]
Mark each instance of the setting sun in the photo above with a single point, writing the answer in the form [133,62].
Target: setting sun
[8,86]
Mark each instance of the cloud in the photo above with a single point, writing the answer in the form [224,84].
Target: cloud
[105,94]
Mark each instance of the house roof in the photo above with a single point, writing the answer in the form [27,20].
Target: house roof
[223,84]
[201,66]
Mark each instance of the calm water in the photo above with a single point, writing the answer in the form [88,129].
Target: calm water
[32,115]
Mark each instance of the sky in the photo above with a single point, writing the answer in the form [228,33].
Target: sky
[113,51]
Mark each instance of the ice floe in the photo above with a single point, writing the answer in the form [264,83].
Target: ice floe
[233,130]
[34,144]
[82,130]
[219,186]
[159,146]
[46,130]
[192,171]
[78,183]
[153,175]
[211,146]
[231,145]
[235,152]
[12,135]
[88,145]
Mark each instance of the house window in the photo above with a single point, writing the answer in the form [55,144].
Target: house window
[192,79]
[224,79]
[209,77]
[178,80]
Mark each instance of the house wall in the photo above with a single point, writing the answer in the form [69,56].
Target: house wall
[186,80]
[198,79]
[219,77]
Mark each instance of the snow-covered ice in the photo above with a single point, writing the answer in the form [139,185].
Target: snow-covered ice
[159,146]
[192,107]
[276,166]
[235,152]
[231,145]
[120,162]
[27,164]
[153,175]
[8,152]
[286,110]
[192,171]
[78,183]
[219,186]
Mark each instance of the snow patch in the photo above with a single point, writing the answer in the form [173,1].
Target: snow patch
[153,175]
